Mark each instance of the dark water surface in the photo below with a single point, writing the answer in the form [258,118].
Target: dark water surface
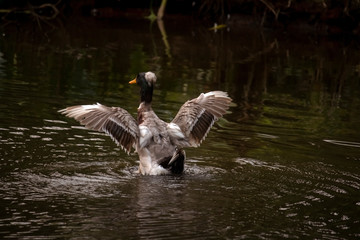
[284,163]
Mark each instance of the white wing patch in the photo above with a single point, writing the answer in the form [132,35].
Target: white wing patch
[145,136]
[92,106]
[175,131]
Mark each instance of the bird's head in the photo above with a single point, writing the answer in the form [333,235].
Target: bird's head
[146,81]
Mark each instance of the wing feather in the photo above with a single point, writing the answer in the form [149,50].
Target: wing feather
[115,122]
[197,116]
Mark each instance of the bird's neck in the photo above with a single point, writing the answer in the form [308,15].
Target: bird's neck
[146,94]
[143,110]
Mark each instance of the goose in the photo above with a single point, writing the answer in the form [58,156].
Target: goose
[160,145]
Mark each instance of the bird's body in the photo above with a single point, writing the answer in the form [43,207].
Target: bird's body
[159,144]
[154,147]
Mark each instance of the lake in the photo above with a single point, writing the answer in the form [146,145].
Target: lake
[282,163]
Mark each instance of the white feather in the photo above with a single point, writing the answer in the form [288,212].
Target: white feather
[145,136]
[90,107]
[175,131]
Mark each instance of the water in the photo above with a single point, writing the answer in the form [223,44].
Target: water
[284,163]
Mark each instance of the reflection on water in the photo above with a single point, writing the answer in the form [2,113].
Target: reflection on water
[282,164]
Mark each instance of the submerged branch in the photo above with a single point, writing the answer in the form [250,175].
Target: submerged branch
[271,7]
[253,56]
[161,10]
[39,12]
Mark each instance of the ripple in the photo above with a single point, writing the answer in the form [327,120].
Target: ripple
[56,128]
[39,186]
[264,135]
[323,193]
[196,170]
[55,121]
[17,133]
[47,139]
[19,128]
[79,127]
[258,163]
[343,143]
[35,136]
[318,188]
[94,139]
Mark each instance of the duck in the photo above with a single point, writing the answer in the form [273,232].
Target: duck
[159,145]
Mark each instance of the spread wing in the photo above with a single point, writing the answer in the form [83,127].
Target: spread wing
[114,121]
[195,118]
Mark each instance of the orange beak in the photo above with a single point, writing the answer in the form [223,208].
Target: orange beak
[133,81]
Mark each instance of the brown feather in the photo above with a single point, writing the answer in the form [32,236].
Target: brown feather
[196,117]
[116,122]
